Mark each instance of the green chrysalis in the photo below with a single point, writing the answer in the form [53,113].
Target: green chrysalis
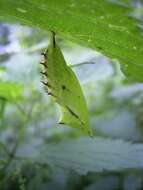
[61,83]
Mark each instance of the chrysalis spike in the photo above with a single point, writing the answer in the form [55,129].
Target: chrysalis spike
[44,54]
[51,94]
[49,85]
[44,73]
[44,64]
[45,83]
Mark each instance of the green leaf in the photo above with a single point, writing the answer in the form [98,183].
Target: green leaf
[10,91]
[105,26]
[61,82]
[87,155]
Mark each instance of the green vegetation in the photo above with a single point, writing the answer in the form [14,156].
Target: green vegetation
[102,43]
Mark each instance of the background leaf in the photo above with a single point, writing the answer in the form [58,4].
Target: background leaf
[105,26]
[88,155]
[10,91]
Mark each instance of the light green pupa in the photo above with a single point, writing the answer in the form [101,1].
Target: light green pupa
[61,83]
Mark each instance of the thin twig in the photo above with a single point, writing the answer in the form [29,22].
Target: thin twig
[4,147]
[82,63]
[19,137]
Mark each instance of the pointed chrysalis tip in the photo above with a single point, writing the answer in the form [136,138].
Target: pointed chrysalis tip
[90,133]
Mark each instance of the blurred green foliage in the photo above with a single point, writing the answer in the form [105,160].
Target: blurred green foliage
[35,152]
